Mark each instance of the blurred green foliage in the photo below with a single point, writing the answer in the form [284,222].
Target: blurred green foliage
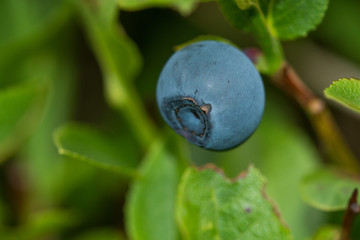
[327,190]
[88,63]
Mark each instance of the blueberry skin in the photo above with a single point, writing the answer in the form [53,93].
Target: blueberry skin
[211,93]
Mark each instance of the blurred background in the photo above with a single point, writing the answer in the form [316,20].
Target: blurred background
[44,47]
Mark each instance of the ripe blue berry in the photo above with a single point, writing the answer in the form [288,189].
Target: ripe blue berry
[211,93]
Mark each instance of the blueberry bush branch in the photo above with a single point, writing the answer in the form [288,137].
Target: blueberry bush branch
[320,117]
[270,22]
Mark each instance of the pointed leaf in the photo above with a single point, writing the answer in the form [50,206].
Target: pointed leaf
[210,206]
[86,144]
[345,91]
[291,19]
[151,200]
[328,190]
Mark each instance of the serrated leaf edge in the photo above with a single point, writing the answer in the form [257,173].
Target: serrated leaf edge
[239,177]
[329,96]
[304,33]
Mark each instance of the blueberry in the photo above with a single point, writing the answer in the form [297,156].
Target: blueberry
[211,93]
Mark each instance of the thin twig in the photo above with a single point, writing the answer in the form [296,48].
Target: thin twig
[352,210]
[320,117]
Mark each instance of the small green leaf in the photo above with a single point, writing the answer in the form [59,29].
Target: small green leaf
[151,201]
[21,107]
[328,233]
[95,148]
[274,20]
[283,19]
[292,19]
[345,91]
[327,190]
[210,206]
[184,6]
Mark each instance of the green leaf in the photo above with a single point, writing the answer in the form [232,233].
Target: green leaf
[21,108]
[184,6]
[292,19]
[345,91]
[151,200]
[86,144]
[328,190]
[120,62]
[273,20]
[210,206]
[328,233]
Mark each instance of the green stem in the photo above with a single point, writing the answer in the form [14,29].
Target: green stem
[119,88]
[135,113]
[271,46]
